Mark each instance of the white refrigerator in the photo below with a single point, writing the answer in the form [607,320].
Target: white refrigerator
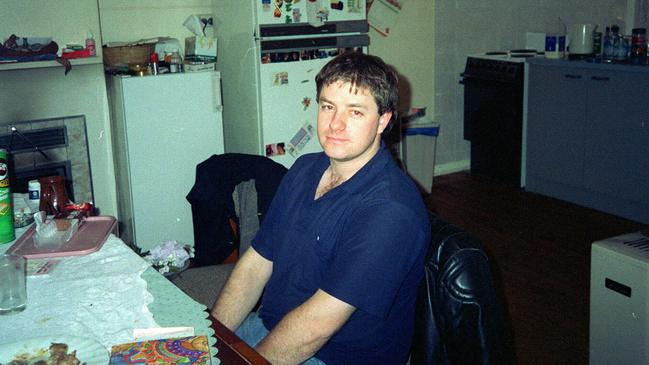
[269,54]
[162,127]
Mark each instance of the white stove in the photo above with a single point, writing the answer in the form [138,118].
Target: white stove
[494,89]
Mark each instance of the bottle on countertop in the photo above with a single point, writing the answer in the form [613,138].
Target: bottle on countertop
[90,44]
[618,46]
[638,52]
[7,233]
[176,62]
[34,193]
[607,49]
[153,63]
[597,44]
[622,51]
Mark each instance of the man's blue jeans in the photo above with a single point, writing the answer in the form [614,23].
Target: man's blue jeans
[252,331]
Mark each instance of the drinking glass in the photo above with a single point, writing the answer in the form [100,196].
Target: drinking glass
[13,288]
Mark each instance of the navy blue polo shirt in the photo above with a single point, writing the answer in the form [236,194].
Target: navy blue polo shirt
[363,242]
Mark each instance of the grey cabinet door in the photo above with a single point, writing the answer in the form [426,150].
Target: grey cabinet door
[617,135]
[555,125]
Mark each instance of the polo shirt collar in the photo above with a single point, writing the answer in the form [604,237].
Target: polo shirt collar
[368,174]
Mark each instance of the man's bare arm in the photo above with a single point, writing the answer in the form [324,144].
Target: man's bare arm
[305,329]
[243,289]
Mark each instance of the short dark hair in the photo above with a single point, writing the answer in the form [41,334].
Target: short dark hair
[363,71]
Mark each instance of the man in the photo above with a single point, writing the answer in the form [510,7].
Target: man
[340,252]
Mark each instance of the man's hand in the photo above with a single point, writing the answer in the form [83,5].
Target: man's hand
[305,329]
[243,289]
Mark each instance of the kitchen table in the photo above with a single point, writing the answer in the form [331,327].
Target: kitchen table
[104,295]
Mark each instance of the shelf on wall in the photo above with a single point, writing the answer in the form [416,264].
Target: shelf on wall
[44,64]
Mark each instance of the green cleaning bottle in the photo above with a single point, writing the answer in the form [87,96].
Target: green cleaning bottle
[6,212]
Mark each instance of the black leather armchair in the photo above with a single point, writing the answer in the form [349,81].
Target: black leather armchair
[459,317]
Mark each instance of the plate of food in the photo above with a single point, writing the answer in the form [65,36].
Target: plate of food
[59,350]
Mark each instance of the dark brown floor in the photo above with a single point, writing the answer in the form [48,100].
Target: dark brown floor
[541,249]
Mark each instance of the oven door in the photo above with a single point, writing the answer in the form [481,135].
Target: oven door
[493,119]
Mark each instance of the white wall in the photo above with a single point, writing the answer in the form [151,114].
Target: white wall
[410,49]
[130,20]
[47,93]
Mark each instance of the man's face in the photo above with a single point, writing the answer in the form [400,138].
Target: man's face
[349,124]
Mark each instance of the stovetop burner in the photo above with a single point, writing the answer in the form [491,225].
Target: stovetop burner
[506,69]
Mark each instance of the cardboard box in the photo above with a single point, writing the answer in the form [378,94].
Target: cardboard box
[200,67]
[200,46]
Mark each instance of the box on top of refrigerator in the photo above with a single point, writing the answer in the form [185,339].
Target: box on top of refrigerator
[202,46]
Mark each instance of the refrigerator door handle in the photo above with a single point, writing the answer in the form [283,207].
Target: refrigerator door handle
[216,85]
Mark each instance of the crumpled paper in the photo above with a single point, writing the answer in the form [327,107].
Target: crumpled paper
[85,296]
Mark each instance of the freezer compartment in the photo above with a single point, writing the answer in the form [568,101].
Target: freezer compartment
[298,29]
[307,12]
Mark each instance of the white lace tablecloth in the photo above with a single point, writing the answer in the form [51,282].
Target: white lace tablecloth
[103,295]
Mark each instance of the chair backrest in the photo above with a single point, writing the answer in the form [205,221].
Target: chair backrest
[459,317]
[212,204]
[245,207]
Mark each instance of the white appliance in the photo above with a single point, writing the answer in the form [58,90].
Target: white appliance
[163,126]
[269,58]
[619,300]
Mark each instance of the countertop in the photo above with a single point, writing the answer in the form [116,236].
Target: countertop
[542,61]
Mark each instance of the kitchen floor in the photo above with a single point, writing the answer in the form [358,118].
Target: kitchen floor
[541,250]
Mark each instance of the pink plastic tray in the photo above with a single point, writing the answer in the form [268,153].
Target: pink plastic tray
[89,238]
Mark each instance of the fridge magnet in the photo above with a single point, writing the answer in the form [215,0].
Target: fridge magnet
[275,149]
[297,16]
[306,102]
[316,13]
[300,139]
[337,5]
[281,78]
[354,6]
[288,10]
[277,13]
[306,55]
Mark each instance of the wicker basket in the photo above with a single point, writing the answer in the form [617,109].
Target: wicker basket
[114,56]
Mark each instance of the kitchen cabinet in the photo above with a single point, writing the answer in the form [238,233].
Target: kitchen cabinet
[556,125]
[588,135]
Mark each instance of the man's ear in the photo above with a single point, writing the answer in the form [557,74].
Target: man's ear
[384,121]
